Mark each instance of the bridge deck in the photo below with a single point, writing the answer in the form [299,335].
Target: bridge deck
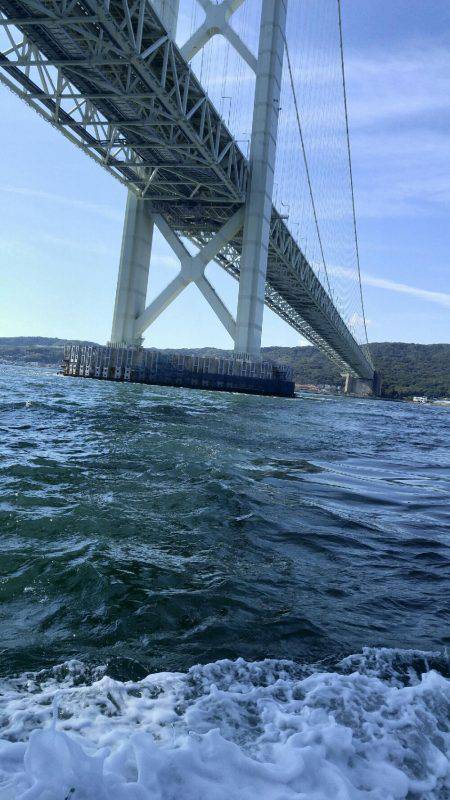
[109,77]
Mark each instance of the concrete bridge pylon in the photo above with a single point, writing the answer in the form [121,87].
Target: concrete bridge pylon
[131,318]
[258,210]
[137,237]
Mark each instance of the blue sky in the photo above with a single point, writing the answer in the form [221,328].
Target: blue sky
[61,214]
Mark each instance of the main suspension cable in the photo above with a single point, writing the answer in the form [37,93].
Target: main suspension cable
[305,160]
[355,229]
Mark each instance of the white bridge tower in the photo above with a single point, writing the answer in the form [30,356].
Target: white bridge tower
[131,317]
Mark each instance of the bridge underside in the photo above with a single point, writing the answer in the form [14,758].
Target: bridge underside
[114,83]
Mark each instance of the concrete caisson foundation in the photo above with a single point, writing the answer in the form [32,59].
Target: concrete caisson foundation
[234,373]
[362,388]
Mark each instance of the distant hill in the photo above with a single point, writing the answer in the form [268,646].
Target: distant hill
[406,369]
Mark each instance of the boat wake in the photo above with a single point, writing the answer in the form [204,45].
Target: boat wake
[375,725]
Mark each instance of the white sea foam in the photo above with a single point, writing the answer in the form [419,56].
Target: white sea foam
[374,727]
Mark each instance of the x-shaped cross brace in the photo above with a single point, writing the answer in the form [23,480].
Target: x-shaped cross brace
[192,271]
[216,21]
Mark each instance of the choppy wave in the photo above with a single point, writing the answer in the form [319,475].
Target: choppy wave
[173,526]
[375,725]
[150,528]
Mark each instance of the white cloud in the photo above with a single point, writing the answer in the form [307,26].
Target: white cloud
[94,248]
[357,321]
[399,115]
[441,298]
[164,261]
[413,82]
[82,205]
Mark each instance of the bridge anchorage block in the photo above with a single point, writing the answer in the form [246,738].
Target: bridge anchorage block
[358,387]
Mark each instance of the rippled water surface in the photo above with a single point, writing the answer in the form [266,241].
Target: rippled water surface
[170,526]
[146,530]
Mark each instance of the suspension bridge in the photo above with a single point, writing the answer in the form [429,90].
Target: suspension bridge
[172,120]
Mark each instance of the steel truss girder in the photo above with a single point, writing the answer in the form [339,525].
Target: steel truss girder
[294,292]
[283,251]
[110,79]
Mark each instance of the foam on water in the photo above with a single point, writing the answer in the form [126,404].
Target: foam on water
[150,528]
[373,726]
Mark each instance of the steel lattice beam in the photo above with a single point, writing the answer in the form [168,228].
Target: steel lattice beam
[112,81]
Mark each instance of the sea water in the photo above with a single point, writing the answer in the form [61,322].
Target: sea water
[210,596]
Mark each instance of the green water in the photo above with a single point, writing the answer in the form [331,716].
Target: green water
[152,528]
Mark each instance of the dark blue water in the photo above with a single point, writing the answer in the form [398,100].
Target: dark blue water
[184,578]
[152,528]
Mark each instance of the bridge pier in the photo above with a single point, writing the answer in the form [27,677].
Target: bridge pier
[134,267]
[258,212]
[362,388]
[132,282]
[139,221]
